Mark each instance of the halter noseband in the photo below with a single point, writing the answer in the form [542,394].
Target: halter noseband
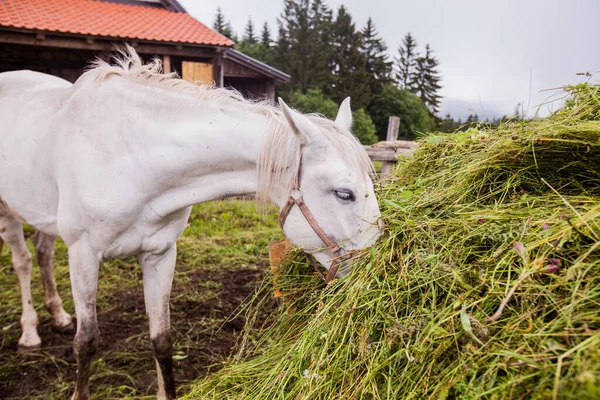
[336,249]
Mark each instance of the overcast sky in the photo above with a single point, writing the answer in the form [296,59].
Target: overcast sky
[493,53]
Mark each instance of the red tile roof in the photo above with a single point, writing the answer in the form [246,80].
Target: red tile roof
[98,18]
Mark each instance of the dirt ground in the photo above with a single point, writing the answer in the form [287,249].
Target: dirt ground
[206,313]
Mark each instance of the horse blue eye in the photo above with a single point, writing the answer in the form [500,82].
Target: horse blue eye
[345,194]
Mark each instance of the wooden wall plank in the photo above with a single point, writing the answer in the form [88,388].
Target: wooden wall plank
[197,72]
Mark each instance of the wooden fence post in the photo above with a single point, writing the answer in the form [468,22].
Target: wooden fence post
[167,64]
[392,135]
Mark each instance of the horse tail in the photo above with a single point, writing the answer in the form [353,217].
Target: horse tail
[1,245]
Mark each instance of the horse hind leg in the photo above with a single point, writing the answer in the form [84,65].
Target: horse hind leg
[44,248]
[11,232]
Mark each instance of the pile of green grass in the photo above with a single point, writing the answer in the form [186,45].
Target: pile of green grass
[487,284]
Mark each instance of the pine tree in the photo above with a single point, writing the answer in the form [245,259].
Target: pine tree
[291,54]
[302,45]
[219,24]
[426,82]
[249,35]
[378,66]
[406,63]
[262,51]
[281,55]
[518,114]
[265,36]
[348,62]
[224,28]
[320,47]
[448,124]
[472,120]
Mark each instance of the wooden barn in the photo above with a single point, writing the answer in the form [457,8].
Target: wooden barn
[61,37]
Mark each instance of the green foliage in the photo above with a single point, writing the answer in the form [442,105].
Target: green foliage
[329,54]
[377,65]
[318,67]
[249,34]
[583,101]
[265,36]
[256,50]
[315,101]
[486,286]
[419,73]
[348,63]
[363,127]
[414,115]
[427,80]
[447,124]
[222,26]
[260,50]
[406,62]
[303,46]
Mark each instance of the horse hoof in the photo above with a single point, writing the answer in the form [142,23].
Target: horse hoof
[28,349]
[69,328]
[29,341]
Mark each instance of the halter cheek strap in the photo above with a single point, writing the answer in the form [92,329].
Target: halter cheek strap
[333,246]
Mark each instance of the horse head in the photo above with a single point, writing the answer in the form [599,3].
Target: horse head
[331,209]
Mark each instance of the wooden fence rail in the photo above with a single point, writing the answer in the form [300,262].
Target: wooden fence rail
[389,150]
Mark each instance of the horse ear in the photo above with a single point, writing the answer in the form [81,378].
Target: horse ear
[344,116]
[304,130]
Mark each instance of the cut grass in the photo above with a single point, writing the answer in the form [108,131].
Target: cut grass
[502,223]
[221,256]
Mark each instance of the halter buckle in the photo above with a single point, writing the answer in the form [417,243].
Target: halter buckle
[296,193]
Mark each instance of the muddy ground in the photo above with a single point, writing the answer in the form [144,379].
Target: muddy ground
[222,258]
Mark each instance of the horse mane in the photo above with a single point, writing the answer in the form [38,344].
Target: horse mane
[280,148]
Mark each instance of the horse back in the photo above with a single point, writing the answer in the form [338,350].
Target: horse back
[13,82]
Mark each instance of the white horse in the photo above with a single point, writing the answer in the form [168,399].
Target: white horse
[113,164]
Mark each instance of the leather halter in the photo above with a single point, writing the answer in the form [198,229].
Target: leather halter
[337,250]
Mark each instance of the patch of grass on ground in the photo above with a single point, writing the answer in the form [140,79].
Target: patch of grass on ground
[221,256]
[487,284]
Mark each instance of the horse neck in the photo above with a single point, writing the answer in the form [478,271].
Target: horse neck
[210,153]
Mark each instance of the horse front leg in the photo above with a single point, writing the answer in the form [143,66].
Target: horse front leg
[44,248]
[11,232]
[158,272]
[84,265]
